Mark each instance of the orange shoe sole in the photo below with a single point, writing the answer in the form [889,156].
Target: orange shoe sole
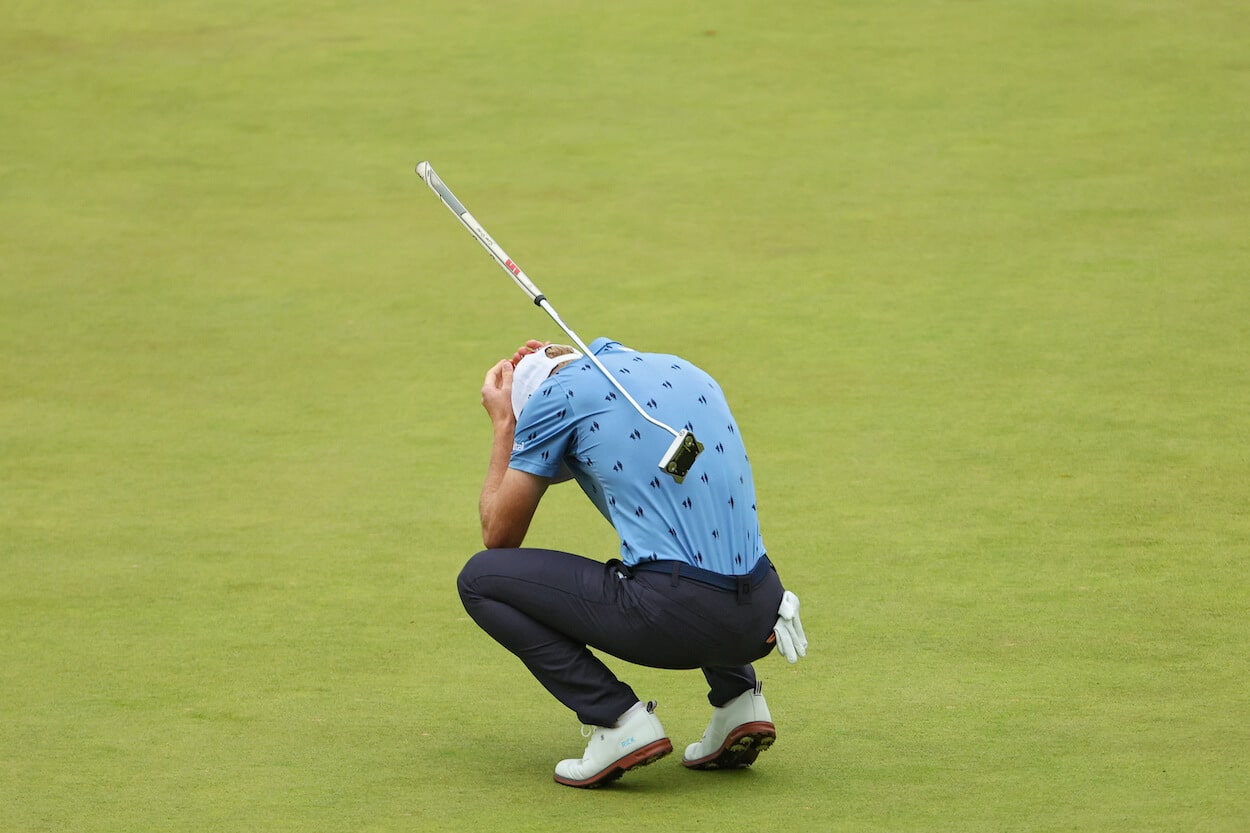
[648,754]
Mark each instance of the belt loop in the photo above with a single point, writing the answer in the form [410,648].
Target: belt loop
[676,573]
[744,590]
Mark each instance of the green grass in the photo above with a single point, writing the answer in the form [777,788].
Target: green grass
[973,274]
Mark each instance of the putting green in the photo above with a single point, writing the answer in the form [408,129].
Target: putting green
[972,274]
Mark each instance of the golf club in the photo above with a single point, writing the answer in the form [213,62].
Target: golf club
[681,454]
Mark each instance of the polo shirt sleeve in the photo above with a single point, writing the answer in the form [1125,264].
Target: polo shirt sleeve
[543,432]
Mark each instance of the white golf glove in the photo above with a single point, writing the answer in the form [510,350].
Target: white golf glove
[791,641]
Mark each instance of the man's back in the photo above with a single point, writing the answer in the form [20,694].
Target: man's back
[579,418]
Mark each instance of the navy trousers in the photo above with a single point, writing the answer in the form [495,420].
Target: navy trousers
[549,608]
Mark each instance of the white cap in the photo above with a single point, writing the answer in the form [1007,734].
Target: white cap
[533,370]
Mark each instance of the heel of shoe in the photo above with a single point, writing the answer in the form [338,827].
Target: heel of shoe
[740,748]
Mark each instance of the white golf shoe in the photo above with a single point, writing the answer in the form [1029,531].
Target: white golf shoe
[636,741]
[739,731]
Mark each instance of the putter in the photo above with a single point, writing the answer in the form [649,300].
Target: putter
[682,452]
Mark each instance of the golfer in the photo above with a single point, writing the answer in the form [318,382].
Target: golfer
[692,588]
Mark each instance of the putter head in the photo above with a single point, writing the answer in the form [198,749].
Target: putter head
[681,455]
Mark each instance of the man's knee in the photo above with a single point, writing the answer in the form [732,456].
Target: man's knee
[487,564]
[474,568]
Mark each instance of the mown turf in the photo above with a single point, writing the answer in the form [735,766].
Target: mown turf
[973,275]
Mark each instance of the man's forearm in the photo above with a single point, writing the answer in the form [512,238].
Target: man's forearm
[500,454]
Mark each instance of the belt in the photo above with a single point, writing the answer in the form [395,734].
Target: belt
[681,570]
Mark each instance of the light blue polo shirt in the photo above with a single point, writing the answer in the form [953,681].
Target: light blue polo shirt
[579,418]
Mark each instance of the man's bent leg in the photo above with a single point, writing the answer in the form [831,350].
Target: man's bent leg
[545,607]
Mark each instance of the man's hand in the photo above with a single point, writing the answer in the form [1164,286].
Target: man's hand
[497,394]
[531,346]
[791,641]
